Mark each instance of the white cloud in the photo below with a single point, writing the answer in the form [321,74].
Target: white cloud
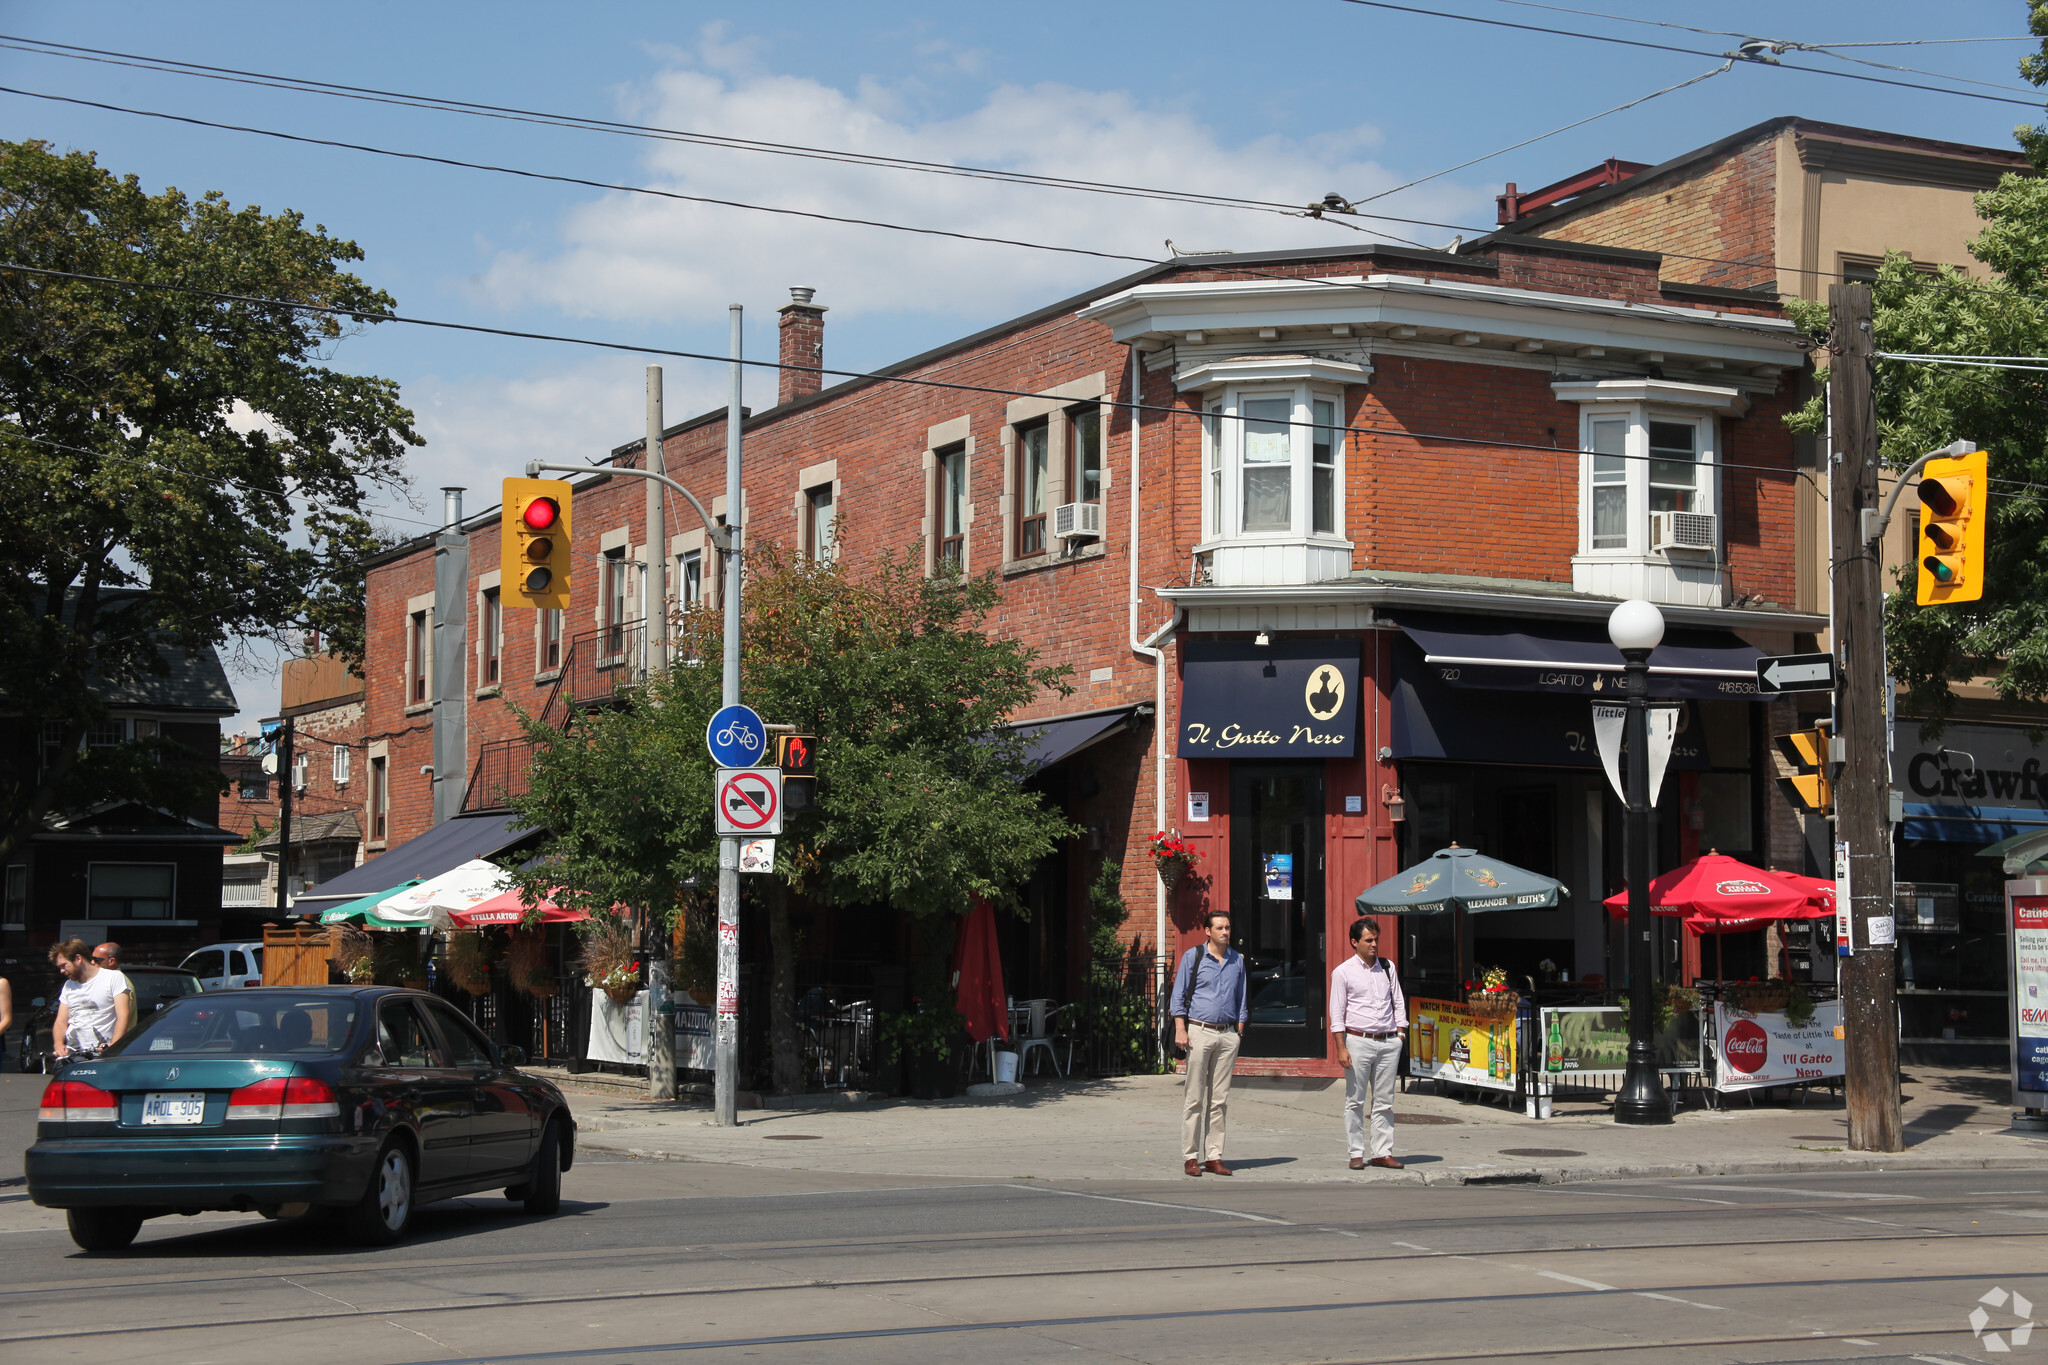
[626,256]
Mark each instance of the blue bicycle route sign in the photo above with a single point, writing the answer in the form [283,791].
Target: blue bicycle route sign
[736,737]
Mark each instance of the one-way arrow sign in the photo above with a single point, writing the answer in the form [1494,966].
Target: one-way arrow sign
[1795,673]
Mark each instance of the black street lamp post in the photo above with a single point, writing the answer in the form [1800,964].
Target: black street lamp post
[1636,627]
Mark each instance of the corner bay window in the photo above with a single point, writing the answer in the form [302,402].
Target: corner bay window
[1285,450]
[1639,463]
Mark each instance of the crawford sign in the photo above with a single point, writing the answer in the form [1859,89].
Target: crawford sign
[1288,699]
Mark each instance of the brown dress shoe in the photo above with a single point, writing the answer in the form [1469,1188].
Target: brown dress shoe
[1386,1163]
[1193,1167]
[1358,1163]
[1215,1168]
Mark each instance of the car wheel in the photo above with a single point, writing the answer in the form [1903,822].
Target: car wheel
[103,1229]
[384,1213]
[544,1190]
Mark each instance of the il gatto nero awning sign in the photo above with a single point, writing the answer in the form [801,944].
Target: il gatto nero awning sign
[1288,699]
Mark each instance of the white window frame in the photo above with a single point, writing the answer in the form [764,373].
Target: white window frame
[1223,465]
[1636,470]
[341,765]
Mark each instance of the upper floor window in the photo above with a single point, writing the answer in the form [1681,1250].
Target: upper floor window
[1272,463]
[690,579]
[1034,472]
[547,625]
[821,524]
[341,759]
[418,641]
[950,471]
[1084,454]
[616,588]
[380,798]
[492,634]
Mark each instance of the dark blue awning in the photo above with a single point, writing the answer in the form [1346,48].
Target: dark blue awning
[447,845]
[1971,824]
[1575,657]
[1049,741]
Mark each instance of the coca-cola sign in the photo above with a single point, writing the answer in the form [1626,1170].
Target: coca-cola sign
[1745,1046]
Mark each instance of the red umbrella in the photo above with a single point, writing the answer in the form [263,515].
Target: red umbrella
[978,976]
[507,908]
[1719,894]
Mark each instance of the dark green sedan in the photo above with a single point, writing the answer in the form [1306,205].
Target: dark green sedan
[367,1100]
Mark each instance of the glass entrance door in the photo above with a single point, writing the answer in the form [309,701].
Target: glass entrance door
[1276,894]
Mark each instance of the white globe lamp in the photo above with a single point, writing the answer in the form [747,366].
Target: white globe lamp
[1635,624]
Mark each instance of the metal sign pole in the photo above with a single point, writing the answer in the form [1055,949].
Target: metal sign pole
[728,1017]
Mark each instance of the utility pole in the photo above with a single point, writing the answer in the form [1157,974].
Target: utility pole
[726,1091]
[661,1045]
[284,818]
[1863,792]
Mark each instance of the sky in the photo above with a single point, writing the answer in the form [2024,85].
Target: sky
[1284,102]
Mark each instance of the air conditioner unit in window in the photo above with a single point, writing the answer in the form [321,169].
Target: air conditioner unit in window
[1077,520]
[1683,531]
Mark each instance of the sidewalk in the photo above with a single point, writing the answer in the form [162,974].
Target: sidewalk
[1129,1129]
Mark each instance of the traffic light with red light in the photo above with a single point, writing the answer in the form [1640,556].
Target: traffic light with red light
[1953,503]
[533,544]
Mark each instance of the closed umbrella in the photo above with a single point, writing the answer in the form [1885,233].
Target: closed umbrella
[978,976]
[1458,879]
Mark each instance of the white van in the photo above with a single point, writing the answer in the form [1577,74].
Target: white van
[222,966]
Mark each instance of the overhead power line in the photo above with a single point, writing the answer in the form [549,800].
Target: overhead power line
[444,104]
[1744,55]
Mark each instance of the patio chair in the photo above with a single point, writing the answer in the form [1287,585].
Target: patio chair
[1040,1031]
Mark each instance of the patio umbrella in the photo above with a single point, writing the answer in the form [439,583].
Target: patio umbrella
[364,908]
[507,908]
[1716,894]
[435,899]
[978,976]
[1454,880]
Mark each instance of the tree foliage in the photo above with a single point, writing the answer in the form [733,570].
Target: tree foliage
[154,442]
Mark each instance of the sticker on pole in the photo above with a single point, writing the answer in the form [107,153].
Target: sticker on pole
[736,737]
[749,801]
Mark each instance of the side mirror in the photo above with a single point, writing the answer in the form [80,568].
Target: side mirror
[508,1055]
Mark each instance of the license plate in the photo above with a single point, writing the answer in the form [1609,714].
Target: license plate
[174,1107]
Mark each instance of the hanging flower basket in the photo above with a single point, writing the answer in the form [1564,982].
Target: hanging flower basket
[1172,857]
[623,995]
[1491,994]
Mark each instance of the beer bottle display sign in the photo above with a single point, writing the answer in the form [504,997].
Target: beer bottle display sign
[1448,1041]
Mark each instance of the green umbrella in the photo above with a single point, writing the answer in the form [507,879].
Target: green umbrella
[1454,880]
[1461,879]
[364,908]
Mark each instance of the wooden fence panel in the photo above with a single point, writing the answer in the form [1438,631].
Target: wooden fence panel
[294,955]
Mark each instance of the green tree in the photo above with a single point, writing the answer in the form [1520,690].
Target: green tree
[179,469]
[921,803]
[1922,407]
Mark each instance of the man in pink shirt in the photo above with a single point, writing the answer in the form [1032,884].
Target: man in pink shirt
[1367,1008]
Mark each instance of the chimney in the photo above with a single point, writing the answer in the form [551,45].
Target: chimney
[451,507]
[803,343]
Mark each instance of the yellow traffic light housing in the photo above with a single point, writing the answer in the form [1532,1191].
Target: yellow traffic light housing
[1807,752]
[1953,526]
[533,544]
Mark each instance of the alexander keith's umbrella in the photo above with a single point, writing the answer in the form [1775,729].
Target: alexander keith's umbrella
[1454,880]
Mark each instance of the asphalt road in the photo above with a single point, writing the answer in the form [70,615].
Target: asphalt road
[650,1260]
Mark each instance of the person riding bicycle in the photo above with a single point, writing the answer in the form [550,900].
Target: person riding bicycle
[93,1007]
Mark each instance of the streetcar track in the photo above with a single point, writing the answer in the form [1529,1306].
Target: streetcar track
[500,1301]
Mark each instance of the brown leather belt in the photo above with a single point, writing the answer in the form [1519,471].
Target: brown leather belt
[1376,1037]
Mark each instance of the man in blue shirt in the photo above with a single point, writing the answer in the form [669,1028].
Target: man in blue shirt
[1208,1023]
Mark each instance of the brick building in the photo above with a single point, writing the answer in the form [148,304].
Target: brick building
[324,703]
[1351,470]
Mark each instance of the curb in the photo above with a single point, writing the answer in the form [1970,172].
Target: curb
[1505,1175]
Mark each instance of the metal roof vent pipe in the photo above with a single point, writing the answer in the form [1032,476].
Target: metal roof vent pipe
[803,345]
[451,507]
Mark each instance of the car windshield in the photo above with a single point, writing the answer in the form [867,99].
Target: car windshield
[154,989]
[241,1026]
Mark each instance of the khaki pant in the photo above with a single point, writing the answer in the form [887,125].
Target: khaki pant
[1371,1079]
[1212,1053]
